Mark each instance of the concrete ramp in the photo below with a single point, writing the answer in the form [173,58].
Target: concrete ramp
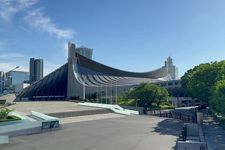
[114,108]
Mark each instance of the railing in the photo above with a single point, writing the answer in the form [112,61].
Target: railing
[173,114]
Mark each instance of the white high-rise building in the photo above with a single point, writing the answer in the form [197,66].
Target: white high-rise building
[172,70]
[84,51]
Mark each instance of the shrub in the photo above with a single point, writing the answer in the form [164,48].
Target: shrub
[4,112]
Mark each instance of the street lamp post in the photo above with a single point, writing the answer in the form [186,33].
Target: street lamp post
[14,68]
[10,71]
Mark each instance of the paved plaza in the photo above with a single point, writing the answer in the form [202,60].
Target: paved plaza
[89,118]
[49,107]
[122,133]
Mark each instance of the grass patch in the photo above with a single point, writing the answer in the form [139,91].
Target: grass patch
[132,102]
[127,102]
[10,118]
[166,106]
[162,106]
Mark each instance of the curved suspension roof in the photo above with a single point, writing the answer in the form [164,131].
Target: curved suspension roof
[93,65]
[89,73]
[92,73]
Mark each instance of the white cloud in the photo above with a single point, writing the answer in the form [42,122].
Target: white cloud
[9,66]
[37,19]
[65,47]
[10,7]
[11,60]
[8,61]
[11,56]
[34,17]
[50,67]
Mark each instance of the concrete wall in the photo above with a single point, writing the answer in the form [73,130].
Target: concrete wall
[139,109]
[183,145]
[4,139]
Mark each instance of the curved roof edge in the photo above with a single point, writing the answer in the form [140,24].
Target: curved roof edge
[93,65]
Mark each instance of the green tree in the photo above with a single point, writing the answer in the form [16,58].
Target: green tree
[4,113]
[217,101]
[146,94]
[198,82]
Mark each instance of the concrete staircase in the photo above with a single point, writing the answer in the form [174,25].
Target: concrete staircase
[79,113]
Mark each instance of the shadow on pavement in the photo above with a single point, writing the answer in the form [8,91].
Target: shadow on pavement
[169,127]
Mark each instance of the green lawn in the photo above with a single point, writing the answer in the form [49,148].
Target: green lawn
[127,102]
[132,102]
[162,106]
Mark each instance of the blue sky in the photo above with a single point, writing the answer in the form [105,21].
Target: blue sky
[134,35]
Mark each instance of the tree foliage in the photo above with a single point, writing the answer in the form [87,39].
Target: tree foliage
[198,82]
[4,113]
[207,83]
[217,101]
[146,94]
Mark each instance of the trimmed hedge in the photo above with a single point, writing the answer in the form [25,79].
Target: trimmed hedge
[10,118]
[127,102]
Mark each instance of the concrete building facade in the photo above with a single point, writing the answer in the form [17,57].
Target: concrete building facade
[84,51]
[172,70]
[15,77]
[83,78]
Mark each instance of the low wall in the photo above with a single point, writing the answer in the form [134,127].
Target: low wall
[191,138]
[29,127]
[139,109]
[13,128]
[4,139]
[185,145]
